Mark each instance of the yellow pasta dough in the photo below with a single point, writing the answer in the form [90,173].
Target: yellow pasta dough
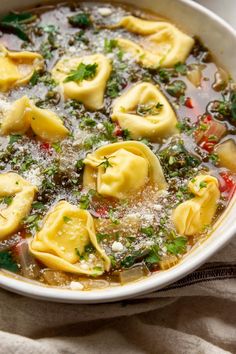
[145,112]
[88,91]
[193,215]
[13,185]
[119,169]
[23,114]
[16,68]
[161,43]
[66,232]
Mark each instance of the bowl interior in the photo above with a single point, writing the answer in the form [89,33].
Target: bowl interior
[212,30]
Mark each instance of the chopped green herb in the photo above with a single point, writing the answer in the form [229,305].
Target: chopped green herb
[32,222]
[97,271]
[81,20]
[66,219]
[7,200]
[202,184]
[181,68]
[79,164]
[177,246]
[153,256]
[87,122]
[57,147]
[34,78]
[105,163]
[7,262]
[38,205]
[14,138]
[149,109]
[83,72]
[176,88]
[101,237]
[109,45]
[113,87]
[214,158]
[15,23]
[148,231]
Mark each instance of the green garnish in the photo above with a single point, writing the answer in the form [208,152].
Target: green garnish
[176,88]
[34,78]
[202,184]
[38,205]
[153,256]
[7,200]
[66,219]
[148,231]
[149,109]
[32,222]
[83,72]
[16,23]
[177,246]
[109,45]
[57,147]
[181,68]
[14,138]
[81,20]
[7,262]
[106,163]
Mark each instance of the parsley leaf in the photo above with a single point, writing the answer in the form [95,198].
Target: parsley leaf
[109,45]
[176,88]
[7,262]
[81,20]
[15,23]
[149,109]
[177,246]
[14,138]
[105,163]
[181,68]
[83,72]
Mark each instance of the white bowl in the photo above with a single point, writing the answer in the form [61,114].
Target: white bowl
[221,39]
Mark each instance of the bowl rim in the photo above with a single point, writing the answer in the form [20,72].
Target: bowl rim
[141,287]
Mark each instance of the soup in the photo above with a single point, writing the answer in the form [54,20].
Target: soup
[117,144]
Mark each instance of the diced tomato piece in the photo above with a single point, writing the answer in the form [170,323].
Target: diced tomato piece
[102,212]
[227,184]
[189,103]
[209,133]
[46,147]
[118,131]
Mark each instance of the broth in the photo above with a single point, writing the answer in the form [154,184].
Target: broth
[137,233]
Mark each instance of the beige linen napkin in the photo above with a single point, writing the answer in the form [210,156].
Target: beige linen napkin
[195,315]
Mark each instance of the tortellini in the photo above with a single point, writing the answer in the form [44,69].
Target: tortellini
[88,91]
[17,68]
[120,169]
[161,44]
[22,192]
[23,114]
[192,216]
[145,112]
[62,241]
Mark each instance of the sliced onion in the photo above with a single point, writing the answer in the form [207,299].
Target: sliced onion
[28,265]
[5,245]
[221,80]
[168,262]
[194,74]
[55,277]
[90,284]
[227,154]
[133,274]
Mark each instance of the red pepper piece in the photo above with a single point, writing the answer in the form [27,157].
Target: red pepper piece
[189,103]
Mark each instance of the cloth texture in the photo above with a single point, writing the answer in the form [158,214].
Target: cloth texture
[196,315]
